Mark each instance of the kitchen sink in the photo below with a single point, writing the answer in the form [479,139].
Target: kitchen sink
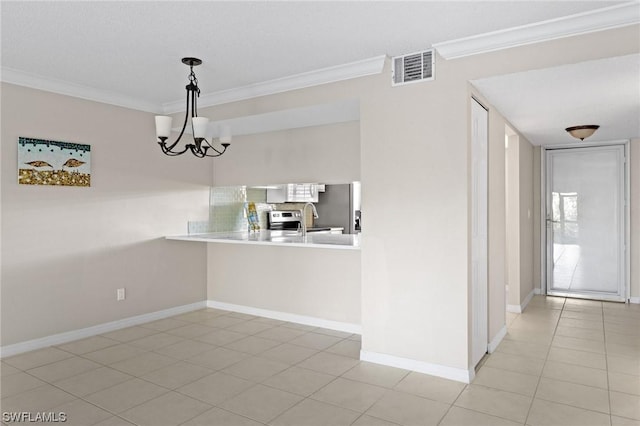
[288,239]
[279,233]
[318,230]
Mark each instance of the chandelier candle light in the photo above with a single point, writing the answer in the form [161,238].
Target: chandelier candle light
[200,148]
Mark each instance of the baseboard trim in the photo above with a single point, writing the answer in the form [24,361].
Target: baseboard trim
[451,373]
[286,316]
[527,299]
[518,309]
[493,344]
[514,309]
[70,336]
[537,291]
[635,300]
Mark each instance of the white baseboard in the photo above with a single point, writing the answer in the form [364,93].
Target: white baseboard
[634,300]
[493,344]
[537,290]
[457,374]
[285,316]
[514,309]
[528,299]
[69,336]
[518,309]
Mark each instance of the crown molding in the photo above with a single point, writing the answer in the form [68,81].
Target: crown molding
[299,81]
[35,81]
[582,23]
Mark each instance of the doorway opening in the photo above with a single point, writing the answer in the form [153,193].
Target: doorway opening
[585,226]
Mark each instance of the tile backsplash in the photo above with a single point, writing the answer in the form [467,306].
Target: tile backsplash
[227,209]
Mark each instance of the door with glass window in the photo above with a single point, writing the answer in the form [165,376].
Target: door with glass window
[585,222]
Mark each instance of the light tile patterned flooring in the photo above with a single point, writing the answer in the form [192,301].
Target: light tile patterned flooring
[563,362]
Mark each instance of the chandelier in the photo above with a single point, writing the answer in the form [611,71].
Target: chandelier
[200,146]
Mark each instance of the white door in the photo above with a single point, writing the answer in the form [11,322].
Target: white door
[479,196]
[585,222]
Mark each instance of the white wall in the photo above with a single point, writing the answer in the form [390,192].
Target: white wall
[67,249]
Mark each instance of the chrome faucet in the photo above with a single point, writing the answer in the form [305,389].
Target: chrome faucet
[304,217]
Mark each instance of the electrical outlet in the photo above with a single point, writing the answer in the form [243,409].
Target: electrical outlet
[120,295]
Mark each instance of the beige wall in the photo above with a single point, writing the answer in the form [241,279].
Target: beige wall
[634,163]
[497,224]
[513,220]
[526,218]
[326,154]
[66,250]
[520,220]
[319,283]
[415,280]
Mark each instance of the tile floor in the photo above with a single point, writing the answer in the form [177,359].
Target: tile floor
[563,362]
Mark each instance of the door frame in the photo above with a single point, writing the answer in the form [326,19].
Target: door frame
[625,143]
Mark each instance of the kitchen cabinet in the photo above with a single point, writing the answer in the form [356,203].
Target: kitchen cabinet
[293,193]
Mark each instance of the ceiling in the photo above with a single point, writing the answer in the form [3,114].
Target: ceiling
[131,51]
[542,103]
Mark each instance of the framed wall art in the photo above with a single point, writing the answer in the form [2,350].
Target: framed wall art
[44,162]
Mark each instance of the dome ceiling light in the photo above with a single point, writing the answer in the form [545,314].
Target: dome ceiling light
[582,132]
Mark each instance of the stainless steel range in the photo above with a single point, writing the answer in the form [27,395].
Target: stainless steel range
[284,220]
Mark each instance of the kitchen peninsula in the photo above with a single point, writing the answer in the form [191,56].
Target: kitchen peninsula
[266,237]
[275,271]
[313,280]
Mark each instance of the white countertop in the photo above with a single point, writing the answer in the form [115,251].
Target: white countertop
[265,237]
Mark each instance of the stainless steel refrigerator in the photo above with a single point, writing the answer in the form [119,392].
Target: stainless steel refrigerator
[340,206]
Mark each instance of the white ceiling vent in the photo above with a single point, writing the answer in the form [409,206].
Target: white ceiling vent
[413,68]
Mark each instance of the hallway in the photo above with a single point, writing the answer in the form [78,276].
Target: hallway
[564,362]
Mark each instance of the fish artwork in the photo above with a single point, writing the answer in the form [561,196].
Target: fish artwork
[53,163]
[39,164]
[72,162]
